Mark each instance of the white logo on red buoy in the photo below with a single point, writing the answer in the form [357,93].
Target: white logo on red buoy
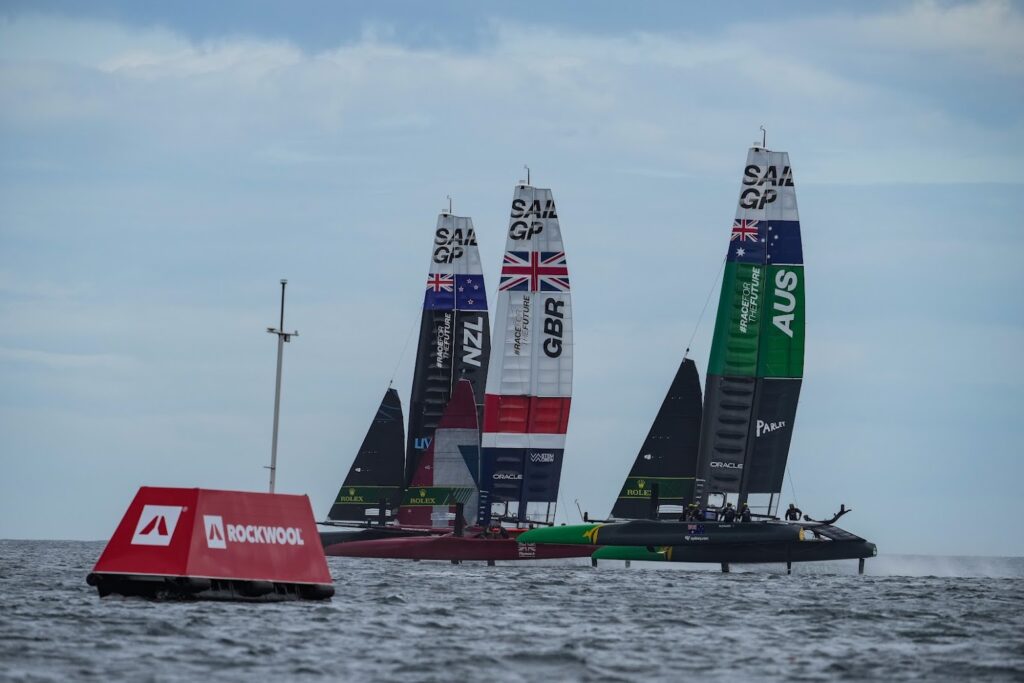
[214,525]
[156,524]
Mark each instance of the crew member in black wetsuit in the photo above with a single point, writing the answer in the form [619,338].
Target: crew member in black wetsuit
[745,513]
[793,513]
[729,514]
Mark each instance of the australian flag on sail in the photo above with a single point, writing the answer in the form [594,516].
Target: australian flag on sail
[469,293]
[534,271]
[783,241]
[746,244]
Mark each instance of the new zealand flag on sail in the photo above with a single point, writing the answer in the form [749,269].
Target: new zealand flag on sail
[469,293]
[446,292]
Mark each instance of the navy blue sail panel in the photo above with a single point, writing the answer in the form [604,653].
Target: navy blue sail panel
[377,471]
[526,475]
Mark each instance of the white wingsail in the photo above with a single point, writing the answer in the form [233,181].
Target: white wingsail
[529,385]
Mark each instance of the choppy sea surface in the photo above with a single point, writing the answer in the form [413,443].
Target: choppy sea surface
[936,618]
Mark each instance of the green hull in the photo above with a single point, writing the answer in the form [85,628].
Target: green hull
[574,534]
[628,552]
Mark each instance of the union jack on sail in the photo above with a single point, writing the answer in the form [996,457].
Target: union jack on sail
[744,230]
[534,271]
[441,282]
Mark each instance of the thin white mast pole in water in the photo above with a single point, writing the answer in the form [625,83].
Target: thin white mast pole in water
[282,337]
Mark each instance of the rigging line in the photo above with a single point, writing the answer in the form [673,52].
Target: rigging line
[789,475]
[703,310]
[405,346]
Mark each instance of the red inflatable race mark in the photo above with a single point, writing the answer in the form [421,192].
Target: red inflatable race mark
[241,539]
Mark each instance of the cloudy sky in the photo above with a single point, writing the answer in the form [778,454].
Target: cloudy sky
[163,166]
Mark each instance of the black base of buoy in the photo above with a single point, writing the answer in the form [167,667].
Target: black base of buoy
[490,563]
[456,561]
[789,567]
[189,588]
[725,567]
[627,564]
[593,562]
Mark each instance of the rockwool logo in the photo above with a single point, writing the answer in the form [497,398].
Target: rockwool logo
[264,535]
[156,524]
[214,526]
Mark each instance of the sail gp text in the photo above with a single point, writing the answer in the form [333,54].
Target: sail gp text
[448,244]
[758,182]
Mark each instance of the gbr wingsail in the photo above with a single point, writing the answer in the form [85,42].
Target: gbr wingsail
[529,386]
[757,354]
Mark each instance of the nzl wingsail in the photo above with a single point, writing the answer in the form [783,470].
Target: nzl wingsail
[377,473]
[447,473]
[454,340]
[529,387]
[757,354]
[663,473]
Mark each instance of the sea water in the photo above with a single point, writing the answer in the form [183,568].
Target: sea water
[393,620]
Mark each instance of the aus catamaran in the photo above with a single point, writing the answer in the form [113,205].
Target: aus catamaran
[754,376]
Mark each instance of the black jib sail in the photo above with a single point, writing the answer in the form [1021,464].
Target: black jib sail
[455,333]
[663,472]
[377,472]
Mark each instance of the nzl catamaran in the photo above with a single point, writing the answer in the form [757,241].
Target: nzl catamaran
[453,345]
[754,376]
[467,496]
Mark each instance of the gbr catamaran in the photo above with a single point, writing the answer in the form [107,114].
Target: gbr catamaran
[755,372]
[525,413]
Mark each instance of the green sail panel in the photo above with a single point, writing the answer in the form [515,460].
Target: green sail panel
[734,349]
[781,345]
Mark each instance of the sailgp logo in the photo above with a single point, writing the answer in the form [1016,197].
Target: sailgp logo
[156,525]
[213,525]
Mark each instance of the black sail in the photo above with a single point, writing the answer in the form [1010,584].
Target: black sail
[667,461]
[378,470]
[455,337]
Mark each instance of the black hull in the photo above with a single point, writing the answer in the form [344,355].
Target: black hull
[669,533]
[189,588]
[789,551]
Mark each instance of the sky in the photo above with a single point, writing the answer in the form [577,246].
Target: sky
[165,164]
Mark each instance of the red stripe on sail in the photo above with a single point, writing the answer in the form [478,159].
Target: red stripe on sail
[526,414]
[460,412]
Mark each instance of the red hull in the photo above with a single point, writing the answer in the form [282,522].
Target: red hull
[449,547]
